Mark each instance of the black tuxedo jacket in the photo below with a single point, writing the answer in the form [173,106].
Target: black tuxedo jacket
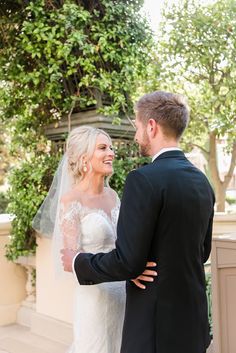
[166,216]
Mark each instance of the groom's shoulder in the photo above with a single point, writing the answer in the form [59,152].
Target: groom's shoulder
[147,168]
[143,171]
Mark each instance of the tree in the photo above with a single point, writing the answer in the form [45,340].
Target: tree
[5,158]
[197,50]
[58,57]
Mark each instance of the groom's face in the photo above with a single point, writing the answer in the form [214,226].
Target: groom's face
[142,138]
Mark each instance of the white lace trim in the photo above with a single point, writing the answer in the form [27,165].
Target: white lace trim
[75,208]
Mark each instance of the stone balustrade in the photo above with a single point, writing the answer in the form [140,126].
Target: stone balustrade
[224,292]
[223,270]
[224,223]
[12,278]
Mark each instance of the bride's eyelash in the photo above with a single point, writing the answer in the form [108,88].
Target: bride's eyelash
[104,147]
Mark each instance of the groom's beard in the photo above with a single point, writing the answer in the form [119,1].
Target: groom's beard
[145,146]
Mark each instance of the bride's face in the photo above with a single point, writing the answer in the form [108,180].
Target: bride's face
[103,156]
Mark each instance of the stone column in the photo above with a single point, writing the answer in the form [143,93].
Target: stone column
[28,262]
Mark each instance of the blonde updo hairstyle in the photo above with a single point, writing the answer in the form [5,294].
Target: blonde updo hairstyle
[81,143]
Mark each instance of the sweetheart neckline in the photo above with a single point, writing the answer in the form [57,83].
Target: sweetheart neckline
[99,210]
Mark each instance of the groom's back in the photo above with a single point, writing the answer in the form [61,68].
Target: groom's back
[186,199]
[174,307]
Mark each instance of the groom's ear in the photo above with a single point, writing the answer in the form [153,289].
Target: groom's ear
[152,128]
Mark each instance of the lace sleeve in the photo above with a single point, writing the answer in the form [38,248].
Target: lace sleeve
[69,223]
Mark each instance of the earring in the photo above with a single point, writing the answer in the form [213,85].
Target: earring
[85,169]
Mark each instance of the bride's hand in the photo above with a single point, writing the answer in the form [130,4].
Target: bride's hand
[146,276]
[67,256]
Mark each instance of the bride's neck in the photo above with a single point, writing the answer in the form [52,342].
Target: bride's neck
[92,184]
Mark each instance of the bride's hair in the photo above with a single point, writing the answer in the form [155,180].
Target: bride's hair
[81,142]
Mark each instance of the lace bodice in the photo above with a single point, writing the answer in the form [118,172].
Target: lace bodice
[99,309]
[88,229]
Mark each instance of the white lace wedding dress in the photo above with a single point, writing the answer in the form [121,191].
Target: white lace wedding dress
[98,309]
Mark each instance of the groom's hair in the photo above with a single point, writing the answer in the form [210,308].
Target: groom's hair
[167,109]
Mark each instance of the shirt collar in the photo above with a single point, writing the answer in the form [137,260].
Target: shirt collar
[165,150]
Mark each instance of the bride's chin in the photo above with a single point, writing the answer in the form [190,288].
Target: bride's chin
[108,173]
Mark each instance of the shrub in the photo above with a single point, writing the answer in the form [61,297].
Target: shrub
[29,185]
[127,159]
[209,300]
[3,202]
[230,200]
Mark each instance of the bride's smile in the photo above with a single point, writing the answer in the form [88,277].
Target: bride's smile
[103,156]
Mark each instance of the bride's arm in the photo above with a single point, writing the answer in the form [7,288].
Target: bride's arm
[70,231]
[69,226]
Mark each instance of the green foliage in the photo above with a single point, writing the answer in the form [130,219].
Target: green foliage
[6,159]
[3,202]
[209,300]
[127,159]
[59,57]
[230,200]
[198,49]
[196,57]
[29,185]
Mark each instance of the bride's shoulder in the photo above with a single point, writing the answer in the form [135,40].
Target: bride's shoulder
[112,193]
[70,197]
[70,204]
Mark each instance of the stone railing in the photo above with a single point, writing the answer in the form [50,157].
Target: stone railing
[223,270]
[12,278]
[224,223]
[29,263]
[28,305]
[224,292]
[50,312]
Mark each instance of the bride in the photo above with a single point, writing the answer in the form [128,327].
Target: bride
[81,212]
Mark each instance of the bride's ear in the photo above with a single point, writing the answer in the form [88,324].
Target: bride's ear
[84,158]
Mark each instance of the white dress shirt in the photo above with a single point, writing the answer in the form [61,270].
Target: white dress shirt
[167,149]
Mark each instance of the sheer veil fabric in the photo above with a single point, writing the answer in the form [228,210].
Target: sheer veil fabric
[47,220]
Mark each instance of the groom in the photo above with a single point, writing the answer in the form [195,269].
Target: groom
[166,216]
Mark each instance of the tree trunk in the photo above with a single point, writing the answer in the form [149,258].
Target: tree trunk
[220,192]
[220,186]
